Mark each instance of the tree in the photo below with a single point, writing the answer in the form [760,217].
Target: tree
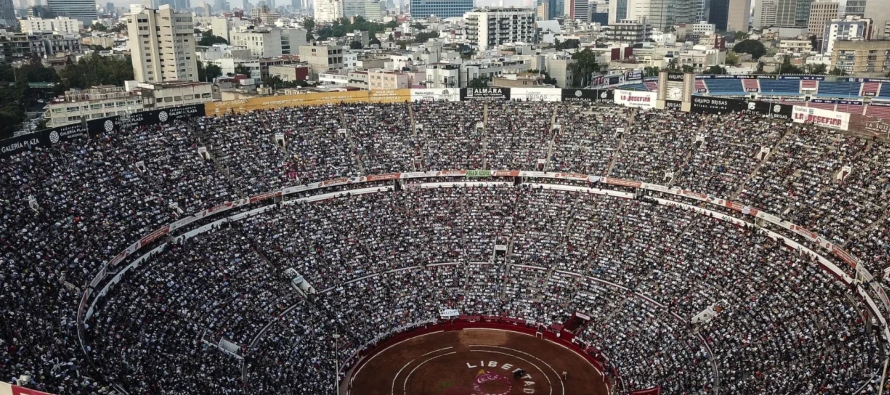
[355,45]
[814,43]
[837,71]
[273,82]
[583,67]
[716,70]
[98,27]
[425,36]
[568,44]
[209,40]
[120,27]
[209,72]
[650,71]
[731,59]
[418,26]
[97,70]
[12,106]
[478,83]
[687,69]
[788,68]
[242,69]
[673,64]
[817,69]
[309,24]
[374,41]
[342,26]
[741,36]
[753,47]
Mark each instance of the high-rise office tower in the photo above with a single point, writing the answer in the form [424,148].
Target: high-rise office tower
[688,11]
[730,15]
[581,10]
[821,12]
[442,8]
[879,12]
[82,10]
[765,13]
[162,45]
[659,14]
[802,14]
[617,11]
[7,14]
[781,13]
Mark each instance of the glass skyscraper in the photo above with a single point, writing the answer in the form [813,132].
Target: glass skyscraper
[440,8]
[82,10]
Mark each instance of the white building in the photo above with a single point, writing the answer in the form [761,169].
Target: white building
[96,102]
[795,46]
[220,51]
[267,41]
[171,94]
[490,27]
[223,27]
[849,28]
[162,45]
[60,25]
[328,10]
[108,101]
[261,41]
[322,58]
[703,28]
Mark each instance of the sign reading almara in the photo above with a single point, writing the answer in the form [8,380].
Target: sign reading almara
[485,94]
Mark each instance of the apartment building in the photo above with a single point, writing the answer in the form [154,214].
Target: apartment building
[862,58]
[822,12]
[59,25]
[490,27]
[850,28]
[43,45]
[322,58]
[162,45]
[96,102]
[384,79]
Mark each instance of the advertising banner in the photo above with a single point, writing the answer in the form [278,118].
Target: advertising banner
[535,94]
[44,139]
[49,137]
[587,95]
[478,173]
[633,75]
[673,105]
[451,94]
[272,102]
[146,118]
[773,110]
[635,98]
[389,96]
[676,77]
[819,117]
[714,105]
[484,94]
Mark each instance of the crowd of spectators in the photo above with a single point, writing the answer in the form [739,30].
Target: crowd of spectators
[386,260]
